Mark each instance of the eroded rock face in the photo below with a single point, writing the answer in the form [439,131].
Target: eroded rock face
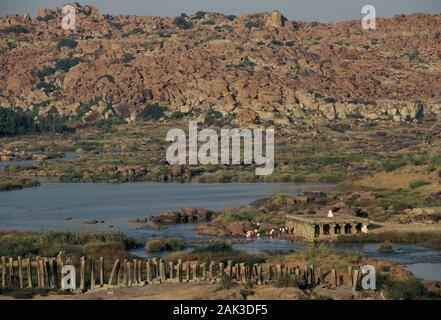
[258,67]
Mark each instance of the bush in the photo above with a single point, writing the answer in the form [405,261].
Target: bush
[134,31]
[385,246]
[215,247]
[67,63]
[69,43]
[231,17]
[127,57]
[417,183]
[199,15]
[153,112]
[46,18]
[165,244]
[395,164]
[46,71]
[226,283]
[71,177]
[181,23]
[14,29]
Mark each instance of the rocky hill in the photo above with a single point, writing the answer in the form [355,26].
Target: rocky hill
[251,68]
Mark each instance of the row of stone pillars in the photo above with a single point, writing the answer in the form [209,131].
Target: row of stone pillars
[46,273]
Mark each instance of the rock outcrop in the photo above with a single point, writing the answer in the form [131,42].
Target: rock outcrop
[257,68]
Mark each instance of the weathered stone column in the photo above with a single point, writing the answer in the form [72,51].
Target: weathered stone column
[114,272]
[11,272]
[101,271]
[179,271]
[3,272]
[229,268]
[92,274]
[29,271]
[83,273]
[148,270]
[187,271]
[129,273]
[162,270]
[125,273]
[259,275]
[135,271]
[334,278]
[171,268]
[20,272]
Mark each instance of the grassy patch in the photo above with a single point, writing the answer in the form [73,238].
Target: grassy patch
[165,244]
[29,244]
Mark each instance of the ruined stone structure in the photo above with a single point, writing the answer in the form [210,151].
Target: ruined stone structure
[314,227]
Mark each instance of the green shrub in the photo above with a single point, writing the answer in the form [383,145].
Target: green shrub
[127,57]
[199,15]
[215,247]
[71,177]
[69,43]
[226,282]
[67,63]
[231,17]
[46,71]
[254,24]
[14,29]
[182,23]
[134,31]
[165,244]
[395,164]
[417,183]
[153,112]
[385,246]
[46,18]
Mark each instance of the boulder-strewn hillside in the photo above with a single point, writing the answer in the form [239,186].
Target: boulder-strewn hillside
[259,67]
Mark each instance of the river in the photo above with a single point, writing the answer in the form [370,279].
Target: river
[58,206]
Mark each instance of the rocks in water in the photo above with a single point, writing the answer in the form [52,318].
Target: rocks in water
[92,221]
[183,215]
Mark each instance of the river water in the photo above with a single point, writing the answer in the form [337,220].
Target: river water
[114,205]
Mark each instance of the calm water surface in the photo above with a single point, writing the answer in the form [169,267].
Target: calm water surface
[45,208]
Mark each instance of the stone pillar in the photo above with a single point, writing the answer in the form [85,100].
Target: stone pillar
[139,271]
[187,271]
[135,271]
[355,280]
[148,270]
[179,271]
[114,272]
[171,268]
[101,271]
[194,268]
[83,273]
[20,272]
[92,274]
[334,278]
[125,273]
[11,272]
[259,275]
[221,269]
[29,272]
[129,274]
[230,268]
[3,272]
[162,270]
